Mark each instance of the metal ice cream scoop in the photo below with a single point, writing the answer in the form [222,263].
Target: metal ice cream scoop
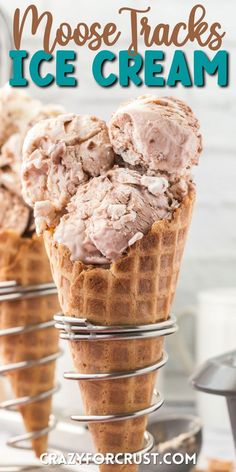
[218,377]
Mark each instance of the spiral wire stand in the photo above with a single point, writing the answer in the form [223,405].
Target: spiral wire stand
[80,329]
[11,291]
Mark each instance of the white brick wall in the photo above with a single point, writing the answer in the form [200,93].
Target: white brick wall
[210,258]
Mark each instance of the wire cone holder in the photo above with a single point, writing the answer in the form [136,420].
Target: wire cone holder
[80,329]
[11,291]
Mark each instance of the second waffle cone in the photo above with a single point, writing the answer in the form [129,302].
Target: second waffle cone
[137,289]
[25,260]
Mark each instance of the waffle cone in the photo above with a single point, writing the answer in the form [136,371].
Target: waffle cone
[25,260]
[137,289]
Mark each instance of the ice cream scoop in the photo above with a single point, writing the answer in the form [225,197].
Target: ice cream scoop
[14,213]
[17,109]
[59,155]
[155,135]
[11,151]
[11,181]
[10,163]
[45,112]
[18,113]
[112,212]
[99,204]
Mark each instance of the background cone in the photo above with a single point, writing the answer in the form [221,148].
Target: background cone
[137,289]
[25,260]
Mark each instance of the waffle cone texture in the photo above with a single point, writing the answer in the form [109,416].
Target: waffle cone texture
[137,289]
[25,260]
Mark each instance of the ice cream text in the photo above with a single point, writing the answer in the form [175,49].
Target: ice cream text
[129,65]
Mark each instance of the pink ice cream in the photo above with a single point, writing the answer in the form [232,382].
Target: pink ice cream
[112,212]
[59,155]
[14,215]
[98,206]
[10,163]
[45,112]
[18,112]
[156,135]
[11,151]
[17,109]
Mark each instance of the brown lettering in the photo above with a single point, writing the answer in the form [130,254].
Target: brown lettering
[64,34]
[133,48]
[216,38]
[81,34]
[18,26]
[109,30]
[193,23]
[174,39]
[161,34]
[200,30]
[96,42]
[95,35]
[146,31]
